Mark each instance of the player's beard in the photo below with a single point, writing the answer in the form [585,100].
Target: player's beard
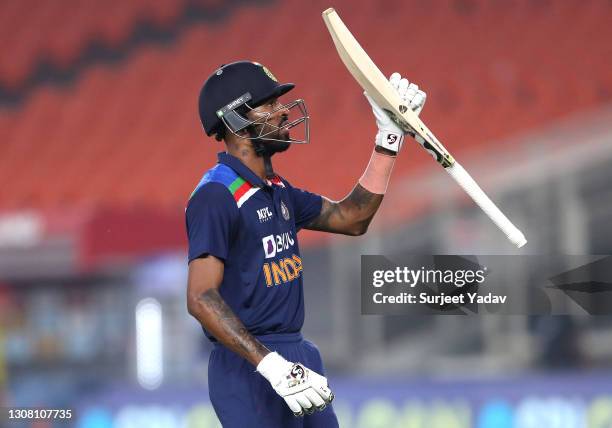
[269,148]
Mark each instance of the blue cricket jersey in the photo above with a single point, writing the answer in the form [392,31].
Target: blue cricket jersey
[252,225]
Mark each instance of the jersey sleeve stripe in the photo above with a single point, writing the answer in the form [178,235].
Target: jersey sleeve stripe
[238,192]
[240,189]
[246,196]
[236,184]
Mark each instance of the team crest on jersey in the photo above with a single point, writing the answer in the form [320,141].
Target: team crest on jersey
[285,211]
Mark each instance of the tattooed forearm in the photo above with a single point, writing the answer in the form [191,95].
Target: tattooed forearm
[364,200]
[350,216]
[329,210]
[219,319]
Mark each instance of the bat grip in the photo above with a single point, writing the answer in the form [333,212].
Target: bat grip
[468,184]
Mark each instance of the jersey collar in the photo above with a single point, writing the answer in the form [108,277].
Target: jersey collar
[240,168]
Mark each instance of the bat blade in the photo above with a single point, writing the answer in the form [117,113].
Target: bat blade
[371,79]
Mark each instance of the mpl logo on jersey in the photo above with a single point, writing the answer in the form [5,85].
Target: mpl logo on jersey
[276,244]
[264,214]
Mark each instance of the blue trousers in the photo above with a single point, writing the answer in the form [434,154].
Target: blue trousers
[243,398]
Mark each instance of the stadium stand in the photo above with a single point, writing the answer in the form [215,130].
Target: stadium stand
[59,32]
[127,132]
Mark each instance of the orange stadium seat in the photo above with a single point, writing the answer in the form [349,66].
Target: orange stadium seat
[57,32]
[128,133]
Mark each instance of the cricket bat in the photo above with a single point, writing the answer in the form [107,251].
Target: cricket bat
[380,90]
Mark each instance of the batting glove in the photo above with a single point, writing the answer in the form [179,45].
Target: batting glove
[389,135]
[303,390]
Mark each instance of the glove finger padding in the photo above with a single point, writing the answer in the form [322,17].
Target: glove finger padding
[403,88]
[418,102]
[307,405]
[395,80]
[411,92]
[321,388]
[315,399]
[294,405]
[325,393]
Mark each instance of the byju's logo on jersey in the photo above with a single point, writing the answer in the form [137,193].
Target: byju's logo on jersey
[264,214]
[276,244]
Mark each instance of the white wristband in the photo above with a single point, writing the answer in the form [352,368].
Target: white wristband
[389,140]
[272,365]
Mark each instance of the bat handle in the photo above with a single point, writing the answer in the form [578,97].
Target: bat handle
[468,184]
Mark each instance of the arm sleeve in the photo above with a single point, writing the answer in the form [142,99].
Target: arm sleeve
[306,205]
[211,220]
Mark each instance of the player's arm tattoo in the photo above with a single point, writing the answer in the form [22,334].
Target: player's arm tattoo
[350,216]
[219,319]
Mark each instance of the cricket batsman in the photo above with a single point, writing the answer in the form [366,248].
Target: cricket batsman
[245,269]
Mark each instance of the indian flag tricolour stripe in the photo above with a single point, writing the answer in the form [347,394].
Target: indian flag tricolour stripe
[247,195]
[242,190]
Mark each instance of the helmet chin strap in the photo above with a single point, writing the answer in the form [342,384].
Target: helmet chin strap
[268,167]
[261,150]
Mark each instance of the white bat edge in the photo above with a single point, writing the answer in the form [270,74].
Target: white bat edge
[463,178]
